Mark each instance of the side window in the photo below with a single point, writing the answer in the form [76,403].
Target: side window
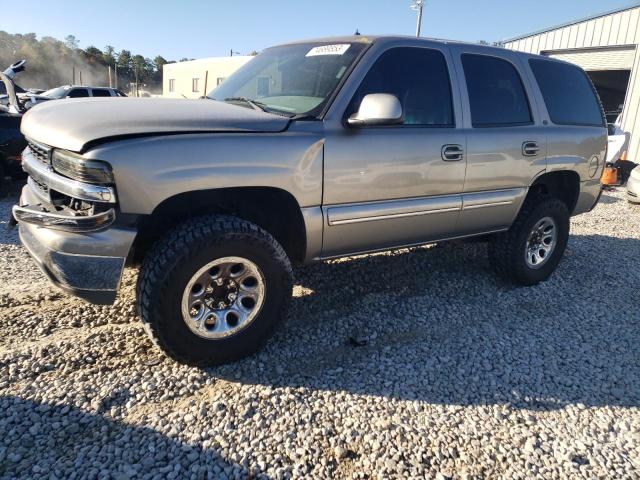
[496,93]
[100,92]
[567,92]
[419,78]
[78,92]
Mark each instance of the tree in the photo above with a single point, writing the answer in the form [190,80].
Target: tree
[71,42]
[124,64]
[158,63]
[109,57]
[93,54]
[138,64]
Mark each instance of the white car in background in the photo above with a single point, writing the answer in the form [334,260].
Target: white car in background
[618,144]
[618,141]
[633,186]
[72,91]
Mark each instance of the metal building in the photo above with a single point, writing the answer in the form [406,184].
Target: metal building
[606,46]
[195,78]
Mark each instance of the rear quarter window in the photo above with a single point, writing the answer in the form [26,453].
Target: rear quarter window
[568,93]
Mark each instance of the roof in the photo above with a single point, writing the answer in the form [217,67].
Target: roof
[573,22]
[374,38]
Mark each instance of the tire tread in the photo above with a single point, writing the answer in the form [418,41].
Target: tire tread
[180,243]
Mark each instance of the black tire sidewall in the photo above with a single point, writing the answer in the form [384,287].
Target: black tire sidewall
[168,312]
[547,208]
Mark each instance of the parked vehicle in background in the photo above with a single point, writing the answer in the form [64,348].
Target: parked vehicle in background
[73,91]
[633,186]
[312,150]
[12,141]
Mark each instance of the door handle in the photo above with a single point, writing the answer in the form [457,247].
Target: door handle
[530,149]
[452,153]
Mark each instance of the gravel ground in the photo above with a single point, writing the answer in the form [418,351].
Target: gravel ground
[407,364]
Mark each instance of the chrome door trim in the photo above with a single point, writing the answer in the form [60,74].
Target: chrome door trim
[494,198]
[372,211]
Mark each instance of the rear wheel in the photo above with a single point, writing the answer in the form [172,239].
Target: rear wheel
[213,290]
[529,252]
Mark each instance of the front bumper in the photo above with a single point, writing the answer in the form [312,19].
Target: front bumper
[88,265]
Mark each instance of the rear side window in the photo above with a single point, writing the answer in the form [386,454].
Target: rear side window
[496,93]
[568,93]
[419,78]
[78,92]
[101,92]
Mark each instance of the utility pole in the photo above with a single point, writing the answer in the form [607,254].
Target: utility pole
[418,5]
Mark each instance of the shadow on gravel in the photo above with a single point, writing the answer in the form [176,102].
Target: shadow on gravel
[608,199]
[63,440]
[435,325]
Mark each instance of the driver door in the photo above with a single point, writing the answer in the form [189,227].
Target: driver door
[396,185]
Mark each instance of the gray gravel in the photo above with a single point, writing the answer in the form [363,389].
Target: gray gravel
[410,364]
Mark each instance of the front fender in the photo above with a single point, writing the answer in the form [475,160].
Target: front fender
[149,170]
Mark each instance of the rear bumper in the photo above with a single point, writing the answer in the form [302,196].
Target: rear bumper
[590,192]
[88,265]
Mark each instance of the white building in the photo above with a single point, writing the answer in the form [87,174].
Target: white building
[195,78]
[606,46]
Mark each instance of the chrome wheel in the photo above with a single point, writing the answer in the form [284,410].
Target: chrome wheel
[223,297]
[541,242]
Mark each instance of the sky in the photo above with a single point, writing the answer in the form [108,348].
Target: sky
[177,29]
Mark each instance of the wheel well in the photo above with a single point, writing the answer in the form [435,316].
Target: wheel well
[273,209]
[563,185]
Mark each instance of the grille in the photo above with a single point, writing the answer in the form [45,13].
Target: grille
[41,152]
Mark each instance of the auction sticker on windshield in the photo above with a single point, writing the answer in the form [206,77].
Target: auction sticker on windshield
[328,50]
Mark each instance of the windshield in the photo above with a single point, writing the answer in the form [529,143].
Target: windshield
[57,92]
[292,79]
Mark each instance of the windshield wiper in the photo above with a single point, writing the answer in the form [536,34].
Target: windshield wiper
[252,103]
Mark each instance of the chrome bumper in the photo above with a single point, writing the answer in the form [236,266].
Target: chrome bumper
[69,223]
[88,265]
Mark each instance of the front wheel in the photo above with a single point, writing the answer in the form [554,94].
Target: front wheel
[213,290]
[529,252]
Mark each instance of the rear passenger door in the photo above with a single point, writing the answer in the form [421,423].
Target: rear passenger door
[506,142]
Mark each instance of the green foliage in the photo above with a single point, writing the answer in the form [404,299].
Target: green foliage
[51,62]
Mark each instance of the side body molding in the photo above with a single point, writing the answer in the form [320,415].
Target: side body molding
[366,212]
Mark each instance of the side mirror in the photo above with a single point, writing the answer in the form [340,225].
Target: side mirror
[377,109]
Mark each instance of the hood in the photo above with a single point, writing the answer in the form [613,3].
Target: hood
[73,123]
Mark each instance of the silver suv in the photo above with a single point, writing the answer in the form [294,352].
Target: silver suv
[313,150]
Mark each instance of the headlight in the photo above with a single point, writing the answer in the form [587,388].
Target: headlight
[82,169]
